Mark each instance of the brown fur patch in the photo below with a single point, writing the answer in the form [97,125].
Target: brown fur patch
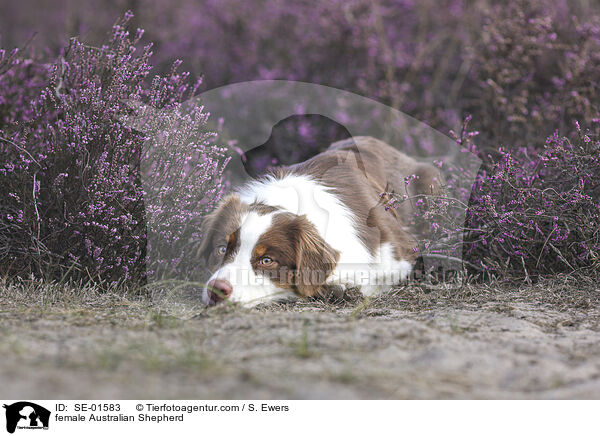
[302,259]
[221,227]
[262,209]
[259,250]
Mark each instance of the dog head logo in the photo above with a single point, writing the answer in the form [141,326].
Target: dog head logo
[24,414]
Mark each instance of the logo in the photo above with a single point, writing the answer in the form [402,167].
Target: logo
[26,415]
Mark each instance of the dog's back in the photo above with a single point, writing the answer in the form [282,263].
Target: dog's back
[360,170]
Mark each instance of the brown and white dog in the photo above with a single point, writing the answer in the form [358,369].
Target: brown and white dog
[316,225]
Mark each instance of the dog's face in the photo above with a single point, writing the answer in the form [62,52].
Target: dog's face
[256,253]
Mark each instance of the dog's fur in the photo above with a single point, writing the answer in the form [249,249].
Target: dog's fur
[308,227]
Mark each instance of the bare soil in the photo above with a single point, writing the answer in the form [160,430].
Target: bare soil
[530,341]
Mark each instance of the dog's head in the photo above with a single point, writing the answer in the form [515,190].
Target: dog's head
[256,253]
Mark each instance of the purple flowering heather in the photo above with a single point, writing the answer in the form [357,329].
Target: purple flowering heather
[72,197]
[534,212]
[535,70]
[72,170]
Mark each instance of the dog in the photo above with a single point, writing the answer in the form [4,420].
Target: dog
[318,226]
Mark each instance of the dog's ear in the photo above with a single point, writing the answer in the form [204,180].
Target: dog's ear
[315,259]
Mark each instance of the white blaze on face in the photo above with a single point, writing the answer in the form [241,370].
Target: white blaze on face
[247,287]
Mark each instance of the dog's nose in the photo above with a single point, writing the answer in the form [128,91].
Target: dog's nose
[218,290]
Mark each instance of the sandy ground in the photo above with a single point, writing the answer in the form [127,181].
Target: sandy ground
[475,343]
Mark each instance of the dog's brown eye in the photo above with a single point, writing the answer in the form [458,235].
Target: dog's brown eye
[266,260]
[221,249]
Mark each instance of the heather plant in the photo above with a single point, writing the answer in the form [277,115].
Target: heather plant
[520,69]
[535,70]
[21,81]
[530,213]
[73,197]
[535,213]
[392,51]
[524,70]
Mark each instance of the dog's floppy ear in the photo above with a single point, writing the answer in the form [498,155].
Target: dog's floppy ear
[315,259]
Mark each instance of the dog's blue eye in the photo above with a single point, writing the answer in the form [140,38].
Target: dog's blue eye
[221,249]
[266,260]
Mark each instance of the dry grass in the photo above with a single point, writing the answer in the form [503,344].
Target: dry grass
[480,341]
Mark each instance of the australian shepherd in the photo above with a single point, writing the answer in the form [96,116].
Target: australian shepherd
[315,226]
